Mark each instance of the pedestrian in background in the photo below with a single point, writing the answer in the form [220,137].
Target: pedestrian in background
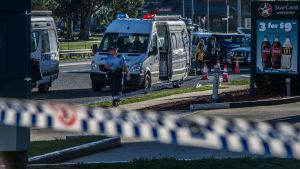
[116,65]
[213,50]
[199,55]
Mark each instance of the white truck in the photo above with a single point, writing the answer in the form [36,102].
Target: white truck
[156,49]
[44,50]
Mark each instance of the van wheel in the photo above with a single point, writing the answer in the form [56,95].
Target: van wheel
[96,86]
[43,88]
[147,82]
[176,85]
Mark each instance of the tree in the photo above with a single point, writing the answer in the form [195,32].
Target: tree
[91,7]
[43,4]
[129,7]
[87,10]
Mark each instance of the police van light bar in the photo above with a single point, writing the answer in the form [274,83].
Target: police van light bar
[121,15]
[149,16]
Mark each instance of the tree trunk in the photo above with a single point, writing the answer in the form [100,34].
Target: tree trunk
[85,23]
[69,34]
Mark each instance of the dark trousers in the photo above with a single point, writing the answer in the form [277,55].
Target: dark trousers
[199,64]
[116,84]
[213,61]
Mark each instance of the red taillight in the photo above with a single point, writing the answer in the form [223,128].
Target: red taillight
[149,16]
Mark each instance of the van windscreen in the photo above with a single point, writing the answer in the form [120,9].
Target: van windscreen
[127,43]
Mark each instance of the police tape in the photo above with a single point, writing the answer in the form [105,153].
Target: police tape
[140,92]
[237,135]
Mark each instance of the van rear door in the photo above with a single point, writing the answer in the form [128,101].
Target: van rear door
[49,53]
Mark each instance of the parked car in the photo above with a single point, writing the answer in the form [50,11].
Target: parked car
[196,36]
[242,55]
[227,43]
[244,31]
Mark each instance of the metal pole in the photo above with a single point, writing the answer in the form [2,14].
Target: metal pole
[192,10]
[208,16]
[239,14]
[288,86]
[227,20]
[183,9]
[216,83]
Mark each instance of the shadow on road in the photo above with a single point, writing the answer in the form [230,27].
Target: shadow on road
[291,120]
[68,94]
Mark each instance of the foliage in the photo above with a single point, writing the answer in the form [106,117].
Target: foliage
[43,4]
[83,10]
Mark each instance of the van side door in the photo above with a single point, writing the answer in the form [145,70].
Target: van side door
[154,58]
[179,59]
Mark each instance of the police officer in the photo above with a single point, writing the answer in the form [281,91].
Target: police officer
[213,49]
[116,65]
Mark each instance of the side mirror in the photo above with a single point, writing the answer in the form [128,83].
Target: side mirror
[153,51]
[95,48]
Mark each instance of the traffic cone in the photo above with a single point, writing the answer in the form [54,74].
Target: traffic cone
[225,74]
[204,73]
[237,68]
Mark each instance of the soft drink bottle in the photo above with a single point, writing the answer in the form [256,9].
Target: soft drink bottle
[266,53]
[286,58]
[276,53]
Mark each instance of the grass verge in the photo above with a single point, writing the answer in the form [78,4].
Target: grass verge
[43,147]
[155,95]
[243,163]
[239,82]
[76,45]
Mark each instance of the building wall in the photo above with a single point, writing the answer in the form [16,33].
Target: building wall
[218,11]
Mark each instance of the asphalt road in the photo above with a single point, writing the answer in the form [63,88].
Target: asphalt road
[130,150]
[74,84]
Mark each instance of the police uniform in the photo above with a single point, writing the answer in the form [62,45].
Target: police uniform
[115,74]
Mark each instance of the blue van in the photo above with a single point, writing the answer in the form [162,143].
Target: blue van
[227,43]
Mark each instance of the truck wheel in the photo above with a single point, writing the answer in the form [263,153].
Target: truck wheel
[43,88]
[147,82]
[96,86]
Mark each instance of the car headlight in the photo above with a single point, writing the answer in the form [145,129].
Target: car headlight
[136,67]
[94,66]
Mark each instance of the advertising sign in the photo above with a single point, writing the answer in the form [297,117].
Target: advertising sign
[276,37]
[277,46]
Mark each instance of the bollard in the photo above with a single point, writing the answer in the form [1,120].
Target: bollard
[288,86]
[217,71]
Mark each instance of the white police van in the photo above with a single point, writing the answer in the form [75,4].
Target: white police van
[156,49]
[44,50]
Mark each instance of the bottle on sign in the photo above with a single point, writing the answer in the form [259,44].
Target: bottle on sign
[276,53]
[266,53]
[286,59]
